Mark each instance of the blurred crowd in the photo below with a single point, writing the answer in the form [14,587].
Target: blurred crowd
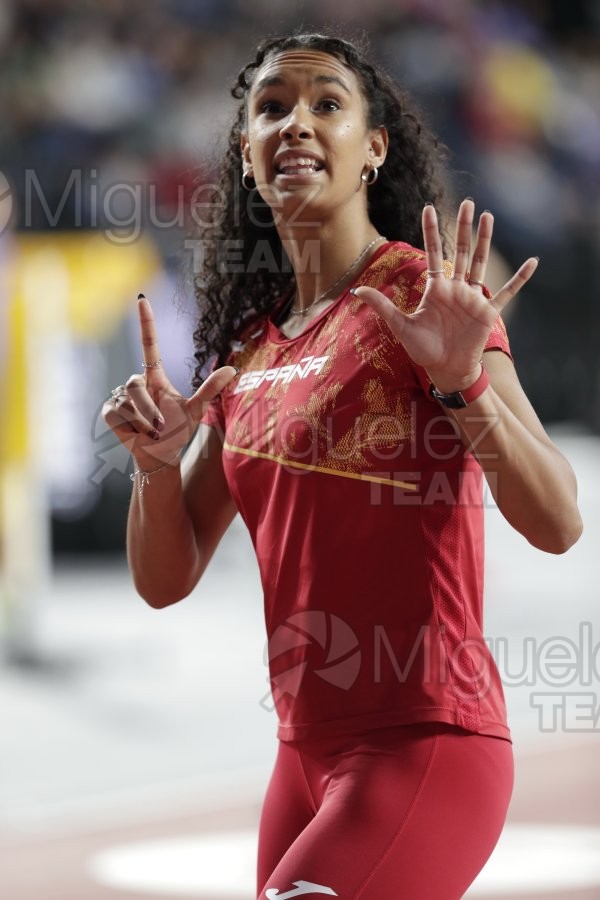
[139,92]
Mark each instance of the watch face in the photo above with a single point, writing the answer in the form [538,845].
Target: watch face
[452,401]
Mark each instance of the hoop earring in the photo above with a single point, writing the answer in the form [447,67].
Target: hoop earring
[367,178]
[244,184]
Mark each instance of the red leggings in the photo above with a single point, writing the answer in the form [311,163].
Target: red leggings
[410,812]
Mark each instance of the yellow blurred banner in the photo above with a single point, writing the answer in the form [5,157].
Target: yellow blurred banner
[54,287]
[81,277]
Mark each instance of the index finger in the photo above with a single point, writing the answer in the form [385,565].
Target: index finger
[150,351]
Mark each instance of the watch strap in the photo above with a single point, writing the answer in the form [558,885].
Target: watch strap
[460,399]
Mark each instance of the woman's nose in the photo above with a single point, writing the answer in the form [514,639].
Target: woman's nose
[297,125]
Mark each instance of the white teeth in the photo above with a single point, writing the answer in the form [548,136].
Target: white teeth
[297,164]
[297,170]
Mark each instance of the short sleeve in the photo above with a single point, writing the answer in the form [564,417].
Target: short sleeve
[498,339]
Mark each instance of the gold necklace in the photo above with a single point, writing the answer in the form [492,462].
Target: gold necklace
[305,310]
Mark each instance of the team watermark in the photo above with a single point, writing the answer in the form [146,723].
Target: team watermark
[320,647]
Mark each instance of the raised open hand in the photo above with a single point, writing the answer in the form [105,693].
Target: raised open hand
[148,414]
[447,332]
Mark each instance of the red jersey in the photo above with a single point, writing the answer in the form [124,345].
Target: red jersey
[366,514]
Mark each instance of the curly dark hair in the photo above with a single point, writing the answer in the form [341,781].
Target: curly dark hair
[412,175]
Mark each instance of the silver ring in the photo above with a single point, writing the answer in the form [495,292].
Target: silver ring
[432,272]
[473,281]
[154,365]
[117,393]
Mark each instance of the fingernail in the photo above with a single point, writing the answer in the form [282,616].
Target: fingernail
[141,296]
[429,203]
[158,423]
[471,199]
[353,292]
[237,371]
[153,434]
[537,257]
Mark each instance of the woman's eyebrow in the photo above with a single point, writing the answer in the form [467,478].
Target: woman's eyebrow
[331,79]
[274,80]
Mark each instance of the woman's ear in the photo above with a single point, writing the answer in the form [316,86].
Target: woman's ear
[378,145]
[245,149]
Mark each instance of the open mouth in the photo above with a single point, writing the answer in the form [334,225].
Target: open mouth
[299,166]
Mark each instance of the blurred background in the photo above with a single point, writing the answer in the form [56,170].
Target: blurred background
[135,745]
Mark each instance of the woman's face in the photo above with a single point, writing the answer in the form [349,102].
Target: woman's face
[307,140]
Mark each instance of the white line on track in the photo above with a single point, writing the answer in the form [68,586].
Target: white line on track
[529,858]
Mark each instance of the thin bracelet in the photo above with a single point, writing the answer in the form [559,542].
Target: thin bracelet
[145,476]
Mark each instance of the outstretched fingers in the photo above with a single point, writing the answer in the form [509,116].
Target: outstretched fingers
[514,284]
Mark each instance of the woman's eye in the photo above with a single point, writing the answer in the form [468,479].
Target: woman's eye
[330,104]
[270,106]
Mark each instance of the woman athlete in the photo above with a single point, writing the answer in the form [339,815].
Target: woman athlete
[363,387]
